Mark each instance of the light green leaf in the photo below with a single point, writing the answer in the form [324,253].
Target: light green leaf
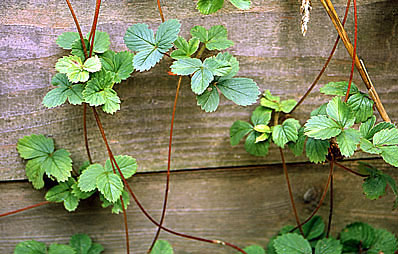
[254,249]
[292,244]
[30,247]
[233,63]
[241,4]
[298,146]
[217,67]
[81,243]
[201,33]
[56,248]
[316,150]
[162,247]
[35,172]
[120,63]
[186,66]
[209,6]
[64,91]
[110,185]
[34,146]
[261,115]
[209,99]
[88,179]
[321,127]
[270,104]
[340,112]
[389,154]
[93,64]
[263,137]
[362,106]
[368,147]
[73,67]
[77,49]
[214,39]
[348,140]
[58,165]
[287,105]
[256,148]
[374,186]
[151,49]
[385,242]
[328,246]
[356,233]
[101,41]
[185,49]
[66,39]
[127,164]
[262,128]
[238,130]
[386,137]
[242,91]
[338,88]
[288,131]
[117,206]
[321,110]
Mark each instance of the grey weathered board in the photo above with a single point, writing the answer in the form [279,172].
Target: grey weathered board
[243,205]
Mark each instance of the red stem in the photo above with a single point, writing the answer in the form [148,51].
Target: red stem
[290,192]
[325,65]
[79,30]
[85,133]
[94,26]
[354,53]
[160,11]
[126,228]
[25,208]
[350,170]
[331,201]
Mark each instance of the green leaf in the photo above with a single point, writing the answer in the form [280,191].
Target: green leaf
[233,63]
[238,130]
[292,244]
[368,147]
[73,67]
[270,101]
[261,115]
[63,193]
[369,129]
[214,39]
[355,234]
[328,246]
[321,127]
[201,33]
[287,105]
[88,179]
[58,164]
[209,6]
[127,164]
[287,131]
[391,182]
[120,63]
[362,106]
[186,66]
[313,228]
[93,64]
[217,67]
[321,110]
[162,247]
[340,112]
[256,148]
[385,242]
[185,49]
[77,192]
[348,140]
[81,243]
[56,248]
[77,49]
[386,137]
[262,128]
[101,41]
[262,137]
[64,91]
[254,249]
[338,88]
[117,206]
[298,146]
[151,49]
[241,4]
[209,99]
[389,154]
[96,248]
[34,146]
[35,172]
[66,39]
[316,150]
[374,186]
[110,185]
[30,247]
[242,91]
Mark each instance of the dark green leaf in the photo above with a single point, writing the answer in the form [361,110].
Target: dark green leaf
[96,248]
[63,193]
[56,248]
[162,247]
[366,127]
[110,185]
[77,49]
[316,150]
[209,100]
[261,115]
[292,244]
[66,39]
[238,130]
[340,112]
[242,91]
[313,228]
[121,64]
[81,243]
[321,110]
[348,140]
[328,246]
[385,242]
[338,88]
[30,247]
[298,146]
[321,127]
[378,127]
[355,234]
[362,106]
[256,148]
[374,186]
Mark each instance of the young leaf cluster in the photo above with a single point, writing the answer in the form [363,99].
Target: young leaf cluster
[78,244]
[260,133]
[80,80]
[211,6]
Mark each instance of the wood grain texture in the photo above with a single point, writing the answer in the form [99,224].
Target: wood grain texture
[267,43]
[241,205]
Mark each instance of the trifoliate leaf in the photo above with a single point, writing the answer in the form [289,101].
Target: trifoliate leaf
[34,146]
[35,172]
[340,112]
[58,164]
[201,33]
[127,164]
[30,247]
[93,64]
[99,91]
[254,249]
[56,248]
[117,206]
[287,105]
[120,63]
[328,246]
[362,106]
[242,91]
[338,88]
[185,49]
[385,242]
[110,185]
[77,49]
[72,66]
[238,130]
[66,39]
[63,193]
[348,140]
[215,38]
[292,244]
[81,243]
[298,146]
[356,234]
[151,49]
[321,127]
[64,91]
[321,110]
[316,150]
[287,131]
[88,179]
[313,228]
[209,99]
[241,4]
[162,247]
[101,41]
[209,6]
[256,148]
[374,186]
[261,115]
[232,61]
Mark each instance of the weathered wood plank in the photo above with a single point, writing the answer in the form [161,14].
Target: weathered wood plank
[268,45]
[241,205]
